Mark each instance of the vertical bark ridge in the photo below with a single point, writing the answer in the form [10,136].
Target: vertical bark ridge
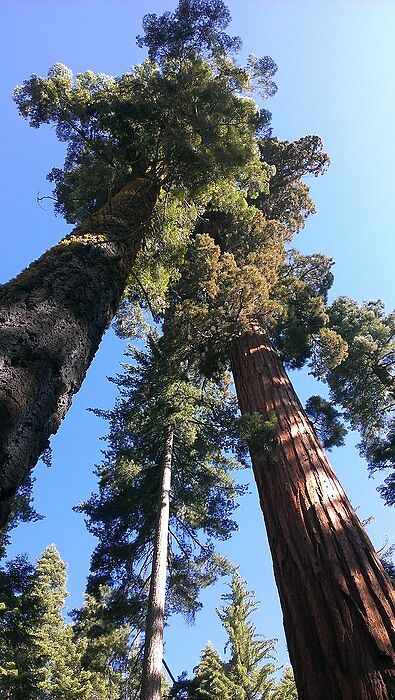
[153,647]
[337,600]
[52,318]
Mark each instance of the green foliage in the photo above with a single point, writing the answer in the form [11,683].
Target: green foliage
[109,653]
[41,657]
[258,434]
[40,645]
[363,385]
[300,331]
[248,666]
[155,396]
[326,421]
[52,664]
[236,271]
[211,682]
[299,325]
[157,264]
[183,119]
[328,350]
[225,284]
[15,577]
[249,671]
[195,28]
[237,275]
[288,200]
[180,121]
[285,689]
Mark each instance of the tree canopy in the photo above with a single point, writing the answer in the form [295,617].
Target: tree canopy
[182,117]
[154,397]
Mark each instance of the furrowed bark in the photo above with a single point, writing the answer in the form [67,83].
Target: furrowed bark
[338,603]
[153,647]
[52,318]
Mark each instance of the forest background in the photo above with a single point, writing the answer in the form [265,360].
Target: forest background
[335,79]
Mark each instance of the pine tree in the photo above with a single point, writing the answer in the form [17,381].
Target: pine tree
[15,578]
[248,675]
[211,682]
[248,666]
[122,515]
[108,652]
[155,620]
[176,124]
[44,658]
[148,518]
[50,667]
[286,688]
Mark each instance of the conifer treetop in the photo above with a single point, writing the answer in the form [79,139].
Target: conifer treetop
[181,123]
[249,672]
[157,396]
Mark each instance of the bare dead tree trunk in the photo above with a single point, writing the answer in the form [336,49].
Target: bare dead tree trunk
[52,318]
[153,647]
[337,601]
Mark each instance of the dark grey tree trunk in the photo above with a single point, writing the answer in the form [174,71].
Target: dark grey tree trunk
[338,603]
[153,648]
[52,318]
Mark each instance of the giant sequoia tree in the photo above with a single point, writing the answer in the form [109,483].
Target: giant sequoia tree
[337,601]
[178,120]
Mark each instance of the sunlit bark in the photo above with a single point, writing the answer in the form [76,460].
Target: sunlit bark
[337,601]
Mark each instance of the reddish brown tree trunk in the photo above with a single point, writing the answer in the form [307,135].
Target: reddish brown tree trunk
[52,318]
[337,601]
[153,648]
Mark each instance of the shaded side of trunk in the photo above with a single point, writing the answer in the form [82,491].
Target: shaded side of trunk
[52,318]
[338,603]
[153,648]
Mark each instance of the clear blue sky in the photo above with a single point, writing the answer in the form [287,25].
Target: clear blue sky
[335,78]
